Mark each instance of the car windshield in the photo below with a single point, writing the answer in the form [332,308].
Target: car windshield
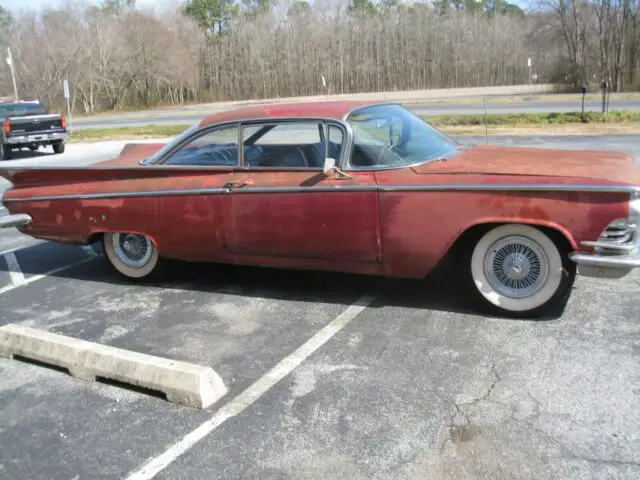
[21,109]
[390,135]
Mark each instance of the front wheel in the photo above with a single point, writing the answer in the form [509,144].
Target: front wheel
[518,270]
[132,254]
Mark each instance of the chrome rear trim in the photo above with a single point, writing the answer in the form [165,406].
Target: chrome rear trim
[17,220]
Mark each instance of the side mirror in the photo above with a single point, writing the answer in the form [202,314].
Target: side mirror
[329,166]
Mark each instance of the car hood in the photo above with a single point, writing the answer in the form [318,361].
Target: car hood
[607,166]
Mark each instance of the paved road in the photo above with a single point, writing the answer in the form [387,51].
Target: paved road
[190,115]
[415,385]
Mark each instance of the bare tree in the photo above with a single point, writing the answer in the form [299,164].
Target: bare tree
[118,56]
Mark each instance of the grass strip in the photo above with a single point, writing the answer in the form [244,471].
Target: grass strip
[551,118]
[124,133]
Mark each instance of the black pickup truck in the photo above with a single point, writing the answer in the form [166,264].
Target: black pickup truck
[28,124]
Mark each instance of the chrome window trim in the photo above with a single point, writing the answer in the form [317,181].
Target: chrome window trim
[344,188]
[347,136]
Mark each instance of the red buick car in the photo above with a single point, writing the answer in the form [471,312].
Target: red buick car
[352,187]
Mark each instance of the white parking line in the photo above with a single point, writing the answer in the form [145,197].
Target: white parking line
[35,278]
[15,272]
[23,247]
[253,393]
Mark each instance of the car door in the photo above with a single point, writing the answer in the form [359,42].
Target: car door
[192,200]
[280,204]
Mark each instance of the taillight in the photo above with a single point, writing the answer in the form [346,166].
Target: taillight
[7,126]
[63,121]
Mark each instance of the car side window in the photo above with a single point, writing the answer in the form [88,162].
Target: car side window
[216,148]
[289,145]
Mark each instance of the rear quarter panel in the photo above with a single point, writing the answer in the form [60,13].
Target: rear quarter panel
[419,227]
[181,226]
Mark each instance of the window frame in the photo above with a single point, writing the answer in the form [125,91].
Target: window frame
[195,131]
[323,126]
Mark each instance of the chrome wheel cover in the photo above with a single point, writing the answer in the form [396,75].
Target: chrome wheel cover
[516,266]
[133,249]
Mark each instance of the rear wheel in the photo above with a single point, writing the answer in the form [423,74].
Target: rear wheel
[518,270]
[132,254]
[7,152]
[58,147]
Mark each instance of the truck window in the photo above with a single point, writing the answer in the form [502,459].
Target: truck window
[17,109]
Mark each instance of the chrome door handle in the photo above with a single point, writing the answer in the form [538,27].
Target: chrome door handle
[235,184]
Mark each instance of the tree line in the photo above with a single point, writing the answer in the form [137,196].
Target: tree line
[119,56]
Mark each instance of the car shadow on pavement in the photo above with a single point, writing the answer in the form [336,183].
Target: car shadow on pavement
[439,291]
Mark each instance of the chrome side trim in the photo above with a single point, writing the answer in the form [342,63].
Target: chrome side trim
[99,196]
[514,187]
[343,188]
[315,189]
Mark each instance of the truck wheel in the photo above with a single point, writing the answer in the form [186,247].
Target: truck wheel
[58,147]
[33,147]
[7,152]
[518,270]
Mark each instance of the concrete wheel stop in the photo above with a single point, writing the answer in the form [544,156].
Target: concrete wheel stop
[181,382]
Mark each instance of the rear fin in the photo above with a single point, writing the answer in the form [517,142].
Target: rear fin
[132,153]
[36,176]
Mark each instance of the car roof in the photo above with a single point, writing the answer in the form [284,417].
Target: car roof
[333,110]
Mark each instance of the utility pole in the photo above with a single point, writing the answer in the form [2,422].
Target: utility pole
[13,73]
[529,65]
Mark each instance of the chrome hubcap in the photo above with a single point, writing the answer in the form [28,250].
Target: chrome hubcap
[516,266]
[133,249]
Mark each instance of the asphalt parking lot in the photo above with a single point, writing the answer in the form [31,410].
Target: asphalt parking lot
[329,376]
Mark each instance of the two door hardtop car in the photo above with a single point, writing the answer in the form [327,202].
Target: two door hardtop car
[347,186]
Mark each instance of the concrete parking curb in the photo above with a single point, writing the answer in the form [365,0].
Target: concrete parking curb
[184,383]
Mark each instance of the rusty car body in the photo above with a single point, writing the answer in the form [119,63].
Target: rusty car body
[358,187]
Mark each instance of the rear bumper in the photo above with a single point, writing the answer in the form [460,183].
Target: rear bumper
[17,220]
[609,260]
[36,137]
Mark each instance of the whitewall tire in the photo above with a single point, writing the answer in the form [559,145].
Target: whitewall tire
[132,254]
[519,270]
